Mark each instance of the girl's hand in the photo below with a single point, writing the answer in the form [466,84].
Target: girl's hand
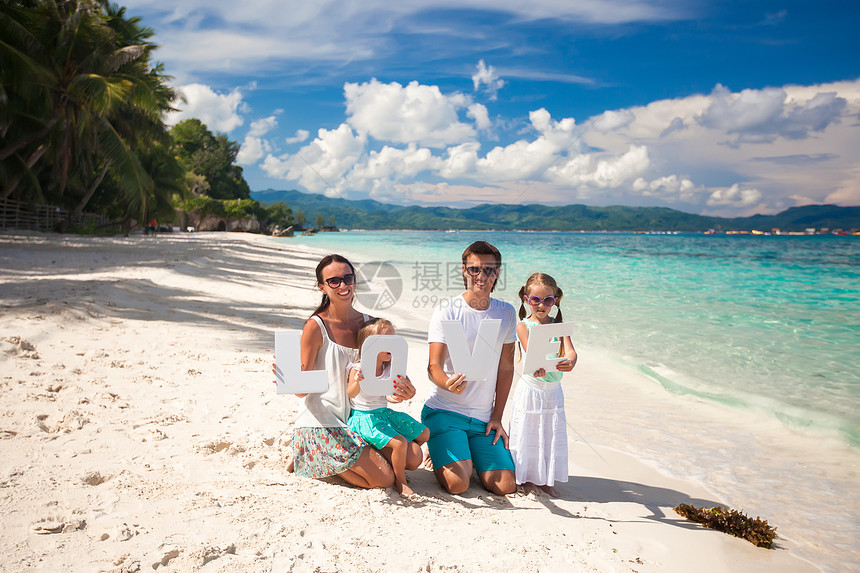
[456,383]
[540,372]
[565,365]
[403,388]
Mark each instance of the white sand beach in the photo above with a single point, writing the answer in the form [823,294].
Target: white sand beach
[140,430]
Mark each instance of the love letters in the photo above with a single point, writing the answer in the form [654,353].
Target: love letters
[542,350]
[291,379]
[475,362]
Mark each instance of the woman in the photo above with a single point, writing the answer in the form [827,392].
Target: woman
[323,444]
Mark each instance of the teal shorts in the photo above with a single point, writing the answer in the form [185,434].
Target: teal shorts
[454,437]
[379,426]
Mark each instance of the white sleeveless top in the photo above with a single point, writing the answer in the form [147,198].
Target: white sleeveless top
[365,402]
[331,408]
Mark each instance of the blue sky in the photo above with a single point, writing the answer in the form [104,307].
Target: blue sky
[724,108]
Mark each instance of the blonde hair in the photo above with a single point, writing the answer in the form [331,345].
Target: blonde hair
[369,328]
[549,282]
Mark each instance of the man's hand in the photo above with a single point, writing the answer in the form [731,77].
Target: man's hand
[456,383]
[496,425]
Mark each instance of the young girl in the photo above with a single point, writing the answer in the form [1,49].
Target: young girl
[396,434]
[538,433]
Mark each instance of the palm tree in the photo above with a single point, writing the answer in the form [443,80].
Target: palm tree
[84,102]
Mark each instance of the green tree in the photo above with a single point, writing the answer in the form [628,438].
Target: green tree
[331,220]
[320,221]
[279,214]
[83,101]
[211,156]
[300,218]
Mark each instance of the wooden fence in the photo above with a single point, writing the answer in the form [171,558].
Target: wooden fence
[18,215]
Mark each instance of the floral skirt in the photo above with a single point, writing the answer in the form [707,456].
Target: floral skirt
[325,452]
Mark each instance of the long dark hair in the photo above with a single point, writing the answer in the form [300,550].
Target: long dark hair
[326,261]
[547,281]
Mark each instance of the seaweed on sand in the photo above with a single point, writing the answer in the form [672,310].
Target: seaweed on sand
[756,531]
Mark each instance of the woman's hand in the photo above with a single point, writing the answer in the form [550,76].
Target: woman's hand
[539,373]
[403,389]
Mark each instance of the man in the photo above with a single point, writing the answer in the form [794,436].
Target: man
[465,416]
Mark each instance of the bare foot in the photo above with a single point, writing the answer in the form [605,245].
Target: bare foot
[427,463]
[529,487]
[291,465]
[551,491]
[403,489]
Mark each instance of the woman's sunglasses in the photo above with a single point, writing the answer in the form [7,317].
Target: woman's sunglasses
[334,282]
[488,271]
[534,301]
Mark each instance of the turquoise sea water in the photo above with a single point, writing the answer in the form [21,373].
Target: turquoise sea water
[769,323]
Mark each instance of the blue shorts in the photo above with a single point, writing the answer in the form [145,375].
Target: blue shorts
[379,426]
[455,437]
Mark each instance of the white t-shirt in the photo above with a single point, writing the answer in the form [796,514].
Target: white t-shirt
[366,402]
[477,399]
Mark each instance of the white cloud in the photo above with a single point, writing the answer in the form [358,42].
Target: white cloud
[762,115]
[413,113]
[611,120]
[398,139]
[254,36]
[218,111]
[790,145]
[609,172]
[669,188]
[252,150]
[300,136]
[261,127]
[254,147]
[486,76]
[560,134]
[734,196]
[462,160]
[322,165]
[392,163]
[479,113]
[519,160]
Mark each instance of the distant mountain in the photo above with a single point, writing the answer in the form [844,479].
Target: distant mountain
[370,214]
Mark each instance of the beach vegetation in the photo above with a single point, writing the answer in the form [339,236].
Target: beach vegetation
[232,209]
[756,531]
[83,105]
[203,205]
[209,158]
[278,214]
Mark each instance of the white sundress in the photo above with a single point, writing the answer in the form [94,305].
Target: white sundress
[538,429]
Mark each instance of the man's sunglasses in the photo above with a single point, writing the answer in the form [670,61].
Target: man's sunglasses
[334,282]
[488,271]
[534,301]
